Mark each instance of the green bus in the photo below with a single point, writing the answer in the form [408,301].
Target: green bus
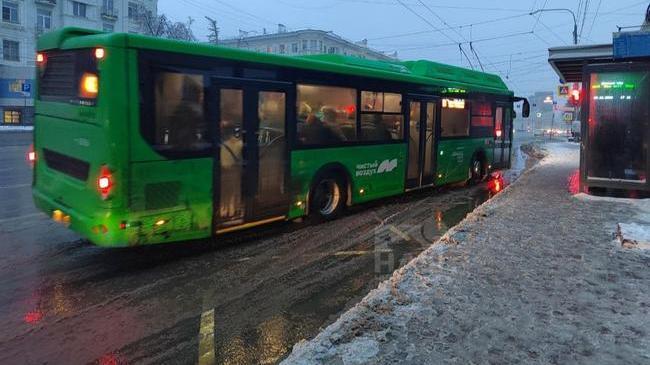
[141,140]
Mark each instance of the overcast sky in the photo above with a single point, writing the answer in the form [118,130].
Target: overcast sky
[507,40]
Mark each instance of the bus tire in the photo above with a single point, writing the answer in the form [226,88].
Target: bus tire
[477,171]
[328,197]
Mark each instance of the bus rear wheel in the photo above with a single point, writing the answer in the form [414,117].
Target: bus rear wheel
[328,198]
[476,171]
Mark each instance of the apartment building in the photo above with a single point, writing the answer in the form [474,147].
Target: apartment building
[304,42]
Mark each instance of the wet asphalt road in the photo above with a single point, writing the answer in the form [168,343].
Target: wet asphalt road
[243,298]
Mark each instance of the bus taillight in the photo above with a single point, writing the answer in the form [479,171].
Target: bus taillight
[105,182]
[40,58]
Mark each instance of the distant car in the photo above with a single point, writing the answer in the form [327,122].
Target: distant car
[539,132]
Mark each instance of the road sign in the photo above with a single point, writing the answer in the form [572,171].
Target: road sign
[563,90]
[567,117]
[27,88]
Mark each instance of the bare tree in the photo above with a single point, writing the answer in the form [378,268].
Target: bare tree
[154,25]
[161,26]
[213,36]
[181,31]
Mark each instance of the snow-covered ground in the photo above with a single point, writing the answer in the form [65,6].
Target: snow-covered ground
[531,276]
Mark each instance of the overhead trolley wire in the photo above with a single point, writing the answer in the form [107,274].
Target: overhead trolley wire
[399,35]
[434,27]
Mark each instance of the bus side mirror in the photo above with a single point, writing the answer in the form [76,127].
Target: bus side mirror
[525,110]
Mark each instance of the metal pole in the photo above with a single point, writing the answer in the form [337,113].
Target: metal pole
[550,135]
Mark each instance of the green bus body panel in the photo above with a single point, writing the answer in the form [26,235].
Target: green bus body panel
[455,157]
[361,164]
[179,193]
[94,135]
[103,135]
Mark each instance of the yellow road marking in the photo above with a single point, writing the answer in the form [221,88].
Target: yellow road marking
[359,253]
[350,253]
[206,338]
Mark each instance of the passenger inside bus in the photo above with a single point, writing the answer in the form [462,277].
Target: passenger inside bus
[326,115]
[314,130]
[181,116]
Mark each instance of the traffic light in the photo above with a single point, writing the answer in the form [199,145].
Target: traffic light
[574,97]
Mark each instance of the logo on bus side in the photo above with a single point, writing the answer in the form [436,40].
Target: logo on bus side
[376,167]
[387,166]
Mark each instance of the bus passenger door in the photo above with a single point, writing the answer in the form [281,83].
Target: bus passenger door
[252,164]
[507,137]
[502,137]
[421,143]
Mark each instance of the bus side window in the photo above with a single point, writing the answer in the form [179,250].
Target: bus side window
[482,119]
[381,116]
[326,115]
[454,120]
[179,118]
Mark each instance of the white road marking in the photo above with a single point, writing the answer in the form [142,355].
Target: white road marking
[22,217]
[206,338]
[15,186]
[399,232]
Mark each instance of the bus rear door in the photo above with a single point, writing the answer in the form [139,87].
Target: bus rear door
[252,163]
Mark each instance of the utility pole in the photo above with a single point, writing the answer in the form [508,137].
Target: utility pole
[575,22]
[213,36]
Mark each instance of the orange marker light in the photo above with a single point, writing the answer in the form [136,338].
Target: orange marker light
[89,85]
[31,155]
[100,53]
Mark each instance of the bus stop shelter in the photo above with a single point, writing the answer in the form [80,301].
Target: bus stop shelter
[614,113]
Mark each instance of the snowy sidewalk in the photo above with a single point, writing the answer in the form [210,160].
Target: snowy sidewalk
[533,276]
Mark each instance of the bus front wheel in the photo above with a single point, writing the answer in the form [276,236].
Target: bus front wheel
[328,198]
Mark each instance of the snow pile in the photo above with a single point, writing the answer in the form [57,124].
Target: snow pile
[633,235]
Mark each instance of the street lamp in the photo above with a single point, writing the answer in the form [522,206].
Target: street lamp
[575,23]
